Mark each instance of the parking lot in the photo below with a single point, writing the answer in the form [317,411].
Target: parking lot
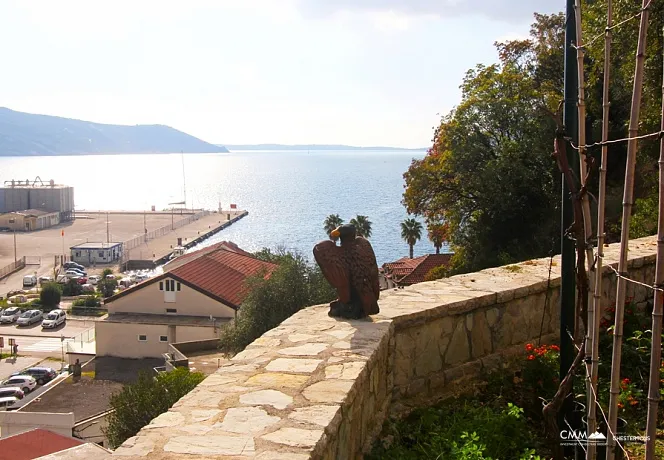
[24,363]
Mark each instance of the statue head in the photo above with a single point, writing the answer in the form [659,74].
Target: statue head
[344,232]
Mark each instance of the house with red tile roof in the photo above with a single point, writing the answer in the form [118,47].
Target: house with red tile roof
[407,271]
[197,293]
[38,443]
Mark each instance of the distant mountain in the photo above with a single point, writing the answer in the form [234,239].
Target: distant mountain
[310,147]
[25,134]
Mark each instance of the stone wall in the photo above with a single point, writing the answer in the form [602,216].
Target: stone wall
[317,387]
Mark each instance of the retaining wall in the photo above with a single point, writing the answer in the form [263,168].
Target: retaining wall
[318,387]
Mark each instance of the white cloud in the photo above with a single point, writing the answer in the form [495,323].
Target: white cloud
[390,21]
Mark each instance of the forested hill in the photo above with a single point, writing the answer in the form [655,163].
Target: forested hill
[25,134]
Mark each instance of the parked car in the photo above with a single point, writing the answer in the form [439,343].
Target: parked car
[68,265]
[82,280]
[12,391]
[53,319]
[61,279]
[94,279]
[88,288]
[41,375]
[110,277]
[26,383]
[45,279]
[10,315]
[29,317]
[7,402]
[75,272]
[29,281]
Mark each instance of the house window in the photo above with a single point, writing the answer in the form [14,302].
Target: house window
[171,310]
[163,338]
[161,285]
[78,253]
[142,338]
[101,253]
[179,285]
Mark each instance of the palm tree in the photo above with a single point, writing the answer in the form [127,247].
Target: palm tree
[411,232]
[438,234]
[362,226]
[331,222]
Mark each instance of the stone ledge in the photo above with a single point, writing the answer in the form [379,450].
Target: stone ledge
[318,387]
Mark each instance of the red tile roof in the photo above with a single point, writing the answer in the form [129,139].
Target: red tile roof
[195,254]
[218,271]
[34,443]
[222,273]
[407,271]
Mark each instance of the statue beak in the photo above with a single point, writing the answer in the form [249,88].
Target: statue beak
[335,233]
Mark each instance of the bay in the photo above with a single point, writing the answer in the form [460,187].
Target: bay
[288,193]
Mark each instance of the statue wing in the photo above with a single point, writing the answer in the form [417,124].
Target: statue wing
[365,275]
[330,259]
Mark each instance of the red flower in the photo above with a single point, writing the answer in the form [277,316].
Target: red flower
[620,405]
[529,347]
[634,402]
[555,347]
[531,357]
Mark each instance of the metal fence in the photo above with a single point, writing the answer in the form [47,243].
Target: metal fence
[79,341]
[12,267]
[158,233]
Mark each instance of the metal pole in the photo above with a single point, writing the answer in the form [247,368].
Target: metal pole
[15,258]
[107,237]
[568,257]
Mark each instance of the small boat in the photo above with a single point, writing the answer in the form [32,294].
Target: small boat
[177,252]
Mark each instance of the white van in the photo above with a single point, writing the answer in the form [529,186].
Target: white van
[29,281]
[7,402]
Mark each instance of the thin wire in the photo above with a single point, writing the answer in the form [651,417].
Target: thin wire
[654,288]
[608,428]
[606,29]
[578,441]
[615,141]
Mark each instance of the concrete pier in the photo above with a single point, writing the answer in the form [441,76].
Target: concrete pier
[157,251]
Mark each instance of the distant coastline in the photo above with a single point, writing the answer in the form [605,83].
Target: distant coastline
[314,147]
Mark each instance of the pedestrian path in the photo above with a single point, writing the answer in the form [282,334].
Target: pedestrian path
[46,345]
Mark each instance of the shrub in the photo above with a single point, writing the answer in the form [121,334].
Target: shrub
[107,271]
[140,402]
[71,289]
[50,295]
[107,287]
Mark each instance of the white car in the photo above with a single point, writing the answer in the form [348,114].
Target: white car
[54,319]
[29,317]
[94,279]
[24,382]
[73,272]
[87,288]
[10,315]
[45,279]
[7,402]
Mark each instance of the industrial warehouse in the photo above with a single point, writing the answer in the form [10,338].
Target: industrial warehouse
[34,205]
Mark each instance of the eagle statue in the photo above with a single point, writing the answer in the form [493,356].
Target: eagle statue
[352,270]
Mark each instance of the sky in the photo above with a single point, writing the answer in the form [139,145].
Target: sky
[355,72]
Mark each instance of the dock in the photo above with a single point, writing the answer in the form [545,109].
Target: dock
[150,251]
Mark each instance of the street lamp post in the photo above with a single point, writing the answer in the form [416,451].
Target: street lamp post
[13,221]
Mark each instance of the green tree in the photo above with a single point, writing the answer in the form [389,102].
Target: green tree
[107,287]
[50,295]
[489,173]
[106,272]
[411,232]
[138,403]
[331,222]
[72,288]
[362,225]
[293,285]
